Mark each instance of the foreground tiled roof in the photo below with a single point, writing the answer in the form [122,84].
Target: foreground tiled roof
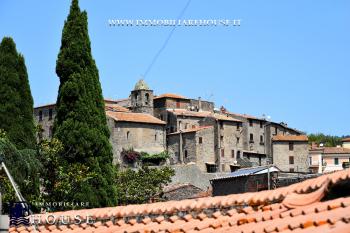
[300,138]
[170,95]
[134,117]
[297,208]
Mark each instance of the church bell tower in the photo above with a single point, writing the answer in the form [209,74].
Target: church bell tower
[142,98]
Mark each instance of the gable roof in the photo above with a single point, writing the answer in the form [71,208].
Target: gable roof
[134,117]
[289,138]
[294,208]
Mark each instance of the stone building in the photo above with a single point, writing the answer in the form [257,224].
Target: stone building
[290,153]
[138,131]
[192,130]
[131,123]
[193,146]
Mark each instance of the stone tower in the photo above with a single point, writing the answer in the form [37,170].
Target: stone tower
[142,98]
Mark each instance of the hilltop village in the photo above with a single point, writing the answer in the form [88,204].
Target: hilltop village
[193,131]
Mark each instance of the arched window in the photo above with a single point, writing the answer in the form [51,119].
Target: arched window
[127,135]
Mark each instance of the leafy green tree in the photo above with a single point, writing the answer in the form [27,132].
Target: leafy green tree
[139,186]
[16,106]
[81,123]
[327,140]
[24,168]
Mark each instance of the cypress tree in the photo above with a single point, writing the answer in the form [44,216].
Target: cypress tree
[81,123]
[16,106]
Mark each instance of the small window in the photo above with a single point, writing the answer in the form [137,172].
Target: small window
[221,125]
[211,168]
[251,137]
[276,130]
[291,169]
[261,139]
[155,137]
[250,122]
[238,154]
[237,138]
[233,153]
[186,153]
[238,126]
[291,159]
[261,124]
[291,146]
[127,135]
[180,125]
[50,114]
[147,98]
[178,105]
[222,138]
[336,161]
[40,115]
[222,153]
[200,140]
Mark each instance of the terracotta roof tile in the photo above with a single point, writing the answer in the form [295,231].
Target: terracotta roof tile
[171,96]
[203,114]
[336,150]
[192,130]
[346,139]
[115,108]
[295,208]
[280,137]
[134,117]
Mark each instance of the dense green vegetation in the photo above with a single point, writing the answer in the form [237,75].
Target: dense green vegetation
[139,186]
[81,123]
[327,140]
[16,105]
[25,169]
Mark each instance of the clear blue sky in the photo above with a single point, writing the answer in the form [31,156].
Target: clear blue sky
[289,59]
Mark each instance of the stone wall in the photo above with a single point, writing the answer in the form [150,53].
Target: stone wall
[190,173]
[46,121]
[149,138]
[281,154]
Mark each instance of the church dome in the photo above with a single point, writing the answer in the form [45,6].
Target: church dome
[141,85]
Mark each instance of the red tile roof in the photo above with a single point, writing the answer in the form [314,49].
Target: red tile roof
[192,130]
[336,150]
[171,96]
[346,140]
[295,208]
[300,138]
[134,117]
[115,108]
[203,114]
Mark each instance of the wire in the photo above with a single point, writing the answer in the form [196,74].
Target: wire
[155,58]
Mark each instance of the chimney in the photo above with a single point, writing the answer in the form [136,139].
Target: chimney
[199,104]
